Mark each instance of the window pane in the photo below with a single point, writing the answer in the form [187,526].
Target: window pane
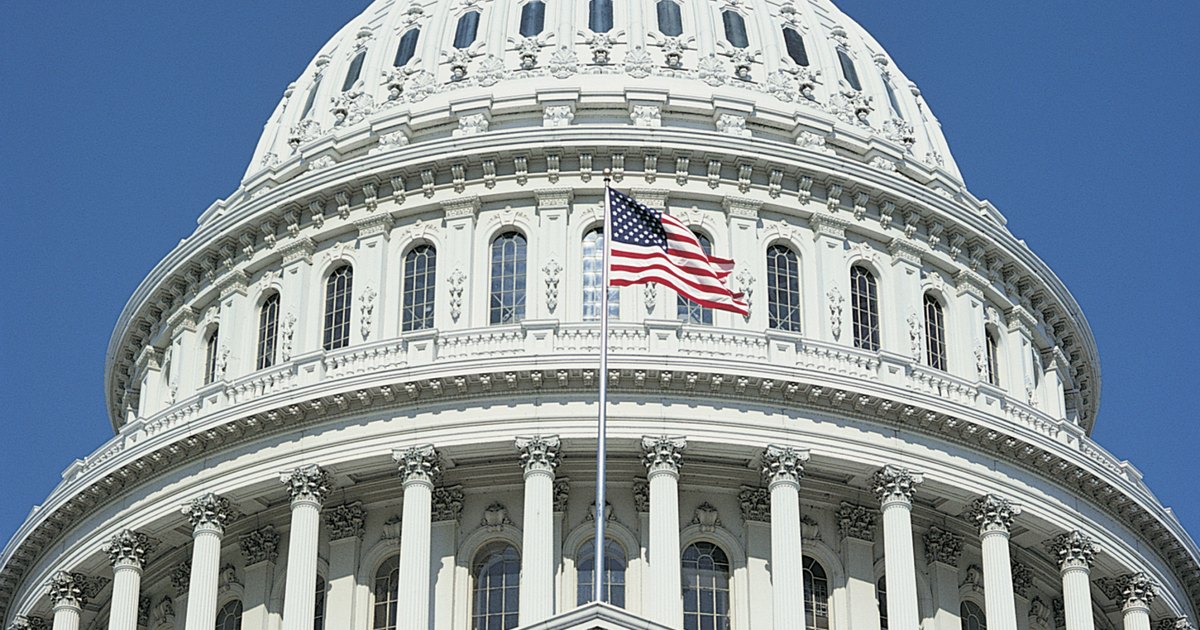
[864,305]
[386,585]
[593,279]
[468,26]
[600,15]
[497,588]
[355,70]
[613,591]
[338,289]
[211,350]
[935,333]
[419,282]
[891,94]
[312,98]
[670,22]
[735,29]
[993,360]
[816,595]
[268,332]
[507,300]
[783,288]
[688,310]
[533,18]
[408,47]
[848,70]
[706,587]
[795,46]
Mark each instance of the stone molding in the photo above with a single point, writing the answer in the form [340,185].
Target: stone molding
[783,464]
[755,504]
[73,589]
[447,503]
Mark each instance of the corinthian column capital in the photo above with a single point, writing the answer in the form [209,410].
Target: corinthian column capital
[895,483]
[1136,590]
[1073,549]
[129,548]
[210,511]
[418,463]
[663,453]
[993,513]
[72,589]
[539,453]
[308,483]
[783,464]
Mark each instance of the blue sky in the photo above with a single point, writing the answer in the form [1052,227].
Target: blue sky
[123,121]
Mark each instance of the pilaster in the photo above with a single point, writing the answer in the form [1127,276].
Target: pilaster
[942,552]
[856,527]
[260,550]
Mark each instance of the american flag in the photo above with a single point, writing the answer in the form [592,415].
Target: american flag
[651,246]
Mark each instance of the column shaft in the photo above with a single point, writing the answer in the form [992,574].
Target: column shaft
[787,557]
[299,595]
[1135,617]
[66,616]
[901,574]
[1077,598]
[123,611]
[202,589]
[537,553]
[997,581]
[413,598]
[666,585]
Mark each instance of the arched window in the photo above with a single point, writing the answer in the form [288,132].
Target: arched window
[795,46]
[972,616]
[593,279]
[355,70]
[230,616]
[268,331]
[670,19]
[319,605]
[613,591]
[935,333]
[783,288]
[735,29]
[533,18]
[881,599]
[407,48]
[705,587]
[312,98]
[467,29]
[497,573]
[507,304]
[387,584]
[816,595]
[688,310]
[420,268]
[211,350]
[338,291]
[864,306]
[600,15]
[993,358]
[848,71]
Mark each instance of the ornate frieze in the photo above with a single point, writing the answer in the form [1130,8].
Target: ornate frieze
[347,520]
[260,545]
[418,463]
[211,511]
[1072,549]
[129,547]
[308,483]
[663,453]
[755,503]
[539,453]
[992,513]
[942,546]
[447,503]
[895,483]
[856,521]
[783,464]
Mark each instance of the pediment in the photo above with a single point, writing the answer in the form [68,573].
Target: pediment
[596,616]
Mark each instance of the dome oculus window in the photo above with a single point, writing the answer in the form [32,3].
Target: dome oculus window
[613,591]
[600,15]
[892,101]
[864,306]
[355,70]
[211,351]
[935,333]
[794,42]
[467,30]
[705,587]
[338,290]
[593,279]
[783,288]
[312,99]
[230,616]
[972,616]
[533,18]
[420,268]
[816,595]
[407,48]
[848,71]
[670,18]
[268,331]
[507,303]
[496,591]
[387,583]
[688,310]
[735,29]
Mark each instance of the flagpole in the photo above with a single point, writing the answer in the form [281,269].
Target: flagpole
[601,430]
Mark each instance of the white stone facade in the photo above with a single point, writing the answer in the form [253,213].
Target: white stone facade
[949,466]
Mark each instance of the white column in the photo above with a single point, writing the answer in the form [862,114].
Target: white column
[69,593]
[209,515]
[856,524]
[308,486]
[346,525]
[942,551]
[783,466]
[260,549]
[539,458]
[447,509]
[1075,553]
[419,466]
[894,486]
[1137,593]
[127,553]
[994,516]
[662,456]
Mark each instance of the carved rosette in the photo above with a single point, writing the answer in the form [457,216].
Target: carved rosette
[783,464]
[539,453]
[1073,550]
[447,503]
[894,484]
[993,513]
[418,464]
[663,453]
[942,546]
[210,511]
[562,491]
[756,504]
[641,495]
[260,545]
[72,589]
[1137,590]
[128,548]
[348,520]
[309,484]
[856,521]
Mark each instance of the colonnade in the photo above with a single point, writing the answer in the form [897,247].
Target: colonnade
[782,469]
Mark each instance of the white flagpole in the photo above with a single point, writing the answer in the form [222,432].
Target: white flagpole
[601,444]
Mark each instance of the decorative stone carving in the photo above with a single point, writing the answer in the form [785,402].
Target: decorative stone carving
[835,301]
[711,70]
[352,106]
[210,510]
[129,547]
[348,520]
[1040,615]
[916,336]
[163,615]
[563,63]
[323,162]
[856,521]
[550,272]
[1174,623]
[647,116]
[539,453]
[707,518]
[733,125]
[608,512]
[755,504]
[447,503]
[895,483]
[562,491]
[650,297]
[673,48]
[495,517]
[901,132]
[490,72]
[303,131]
[781,85]
[557,116]
[420,85]
[1022,578]
[974,579]
[1135,589]
[260,545]
[227,578]
[992,513]
[813,142]
[181,577]
[638,63]
[663,452]
[418,463]
[471,124]
[942,546]
[851,106]
[527,50]
[21,622]
[392,528]
[68,589]
[641,495]
[366,310]
[1072,549]
[308,483]
[457,279]
[601,45]
[783,463]
[883,164]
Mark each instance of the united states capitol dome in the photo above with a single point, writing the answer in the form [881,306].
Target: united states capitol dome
[363,393]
